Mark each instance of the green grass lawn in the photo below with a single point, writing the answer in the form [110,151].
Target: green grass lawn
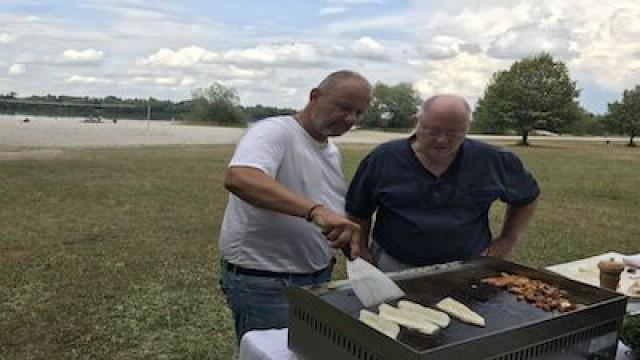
[111,254]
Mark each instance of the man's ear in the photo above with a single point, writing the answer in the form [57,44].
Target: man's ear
[314,94]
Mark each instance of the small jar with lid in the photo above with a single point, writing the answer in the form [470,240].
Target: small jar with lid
[610,271]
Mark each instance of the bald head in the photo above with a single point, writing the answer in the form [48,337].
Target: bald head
[338,78]
[453,105]
[335,105]
[443,122]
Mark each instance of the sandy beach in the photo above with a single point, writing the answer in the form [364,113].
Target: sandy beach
[49,132]
[46,133]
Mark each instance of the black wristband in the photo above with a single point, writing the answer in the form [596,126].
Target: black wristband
[309,216]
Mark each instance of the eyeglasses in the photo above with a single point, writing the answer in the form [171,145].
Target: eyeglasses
[436,133]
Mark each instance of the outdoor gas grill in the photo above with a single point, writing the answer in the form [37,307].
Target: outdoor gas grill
[323,322]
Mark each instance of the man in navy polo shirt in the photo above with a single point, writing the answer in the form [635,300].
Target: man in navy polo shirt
[431,193]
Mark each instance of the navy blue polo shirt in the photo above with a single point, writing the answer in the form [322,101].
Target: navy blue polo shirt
[422,219]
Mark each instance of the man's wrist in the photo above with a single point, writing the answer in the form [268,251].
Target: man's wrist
[309,215]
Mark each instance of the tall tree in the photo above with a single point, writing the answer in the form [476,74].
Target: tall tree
[392,107]
[624,116]
[535,93]
[218,104]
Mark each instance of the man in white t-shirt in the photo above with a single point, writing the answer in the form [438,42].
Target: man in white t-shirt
[286,207]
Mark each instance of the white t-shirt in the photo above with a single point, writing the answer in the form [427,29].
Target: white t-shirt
[262,239]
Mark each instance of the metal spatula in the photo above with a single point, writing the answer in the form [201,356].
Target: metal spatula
[371,286]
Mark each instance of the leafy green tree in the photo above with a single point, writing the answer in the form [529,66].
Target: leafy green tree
[589,124]
[218,104]
[392,107]
[624,116]
[484,120]
[535,93]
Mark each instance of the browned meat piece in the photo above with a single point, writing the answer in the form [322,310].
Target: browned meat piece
[539,293]
[498,281]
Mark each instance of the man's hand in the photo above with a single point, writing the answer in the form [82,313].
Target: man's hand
[501,247]
[365,228]
[367,255]
[515,220]
[340,231]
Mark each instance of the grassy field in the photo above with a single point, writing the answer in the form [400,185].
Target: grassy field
[111,254]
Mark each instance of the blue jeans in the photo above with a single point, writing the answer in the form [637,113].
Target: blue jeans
[257,302]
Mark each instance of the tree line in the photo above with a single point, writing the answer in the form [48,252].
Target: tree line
[535,94]
[205,106]
[76,106]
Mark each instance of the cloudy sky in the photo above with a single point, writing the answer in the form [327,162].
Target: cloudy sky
[273,51]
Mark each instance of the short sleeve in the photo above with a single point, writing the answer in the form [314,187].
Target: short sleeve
[360,200]
[520,188]
[262,147]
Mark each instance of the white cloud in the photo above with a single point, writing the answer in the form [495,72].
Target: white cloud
[83,56]
[50,35]
[332,10]
[34,18]
[82,79]
[624,24]
[480,24]
[368,48]
[166,80]
[442,47]
[303,54]
[5,38]
[237,72]
[16,69]
[531,40]
[184,57]
[465,74]
[187,81]
[184,81]
[609,54]
[282,54]
[596,40]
